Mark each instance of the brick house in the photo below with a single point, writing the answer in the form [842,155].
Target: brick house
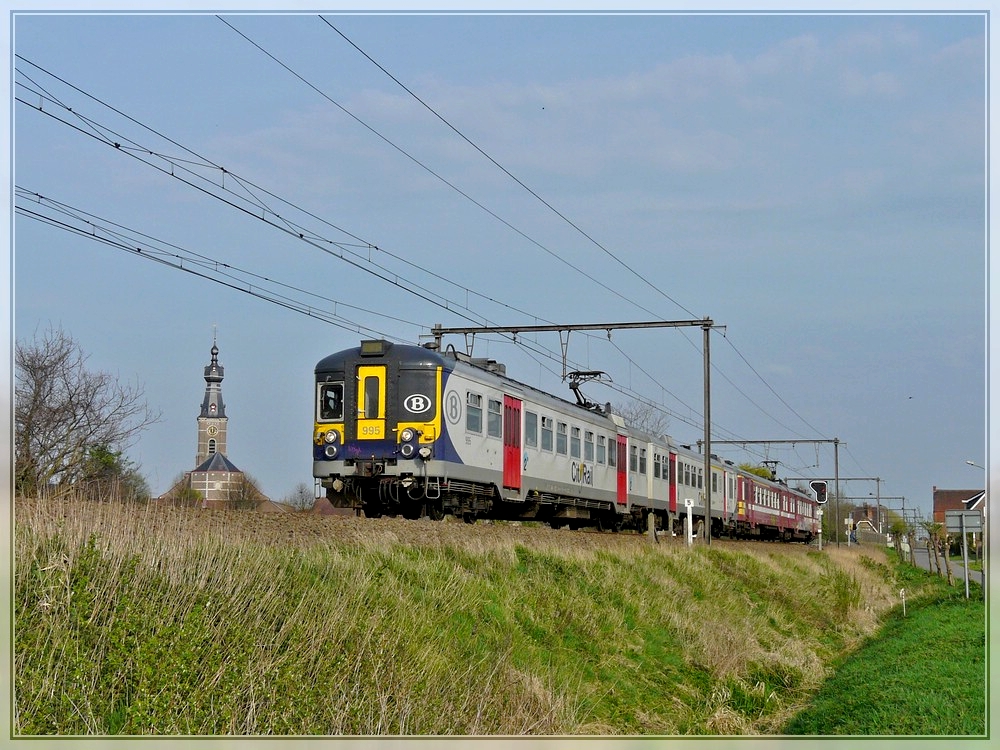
[958,500]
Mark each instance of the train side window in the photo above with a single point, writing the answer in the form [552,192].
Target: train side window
[547,434]
[588,446]
[561,437]
[493,418]
[687,475]
[574,442]
[715,482]
[530,429]
[656,465]
[602,448]
[642,460]
[612,452]
[701,478]
[633,461]
[473,412]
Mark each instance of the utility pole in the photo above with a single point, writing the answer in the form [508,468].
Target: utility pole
[706,324]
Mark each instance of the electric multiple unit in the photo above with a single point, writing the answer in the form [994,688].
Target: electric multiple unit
[408,430]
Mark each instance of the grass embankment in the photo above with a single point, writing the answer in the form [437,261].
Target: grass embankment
[925,673]
[171,621]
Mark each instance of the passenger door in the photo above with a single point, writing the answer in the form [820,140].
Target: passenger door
[511,443]
[371,402]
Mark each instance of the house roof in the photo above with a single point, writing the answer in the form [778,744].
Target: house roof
[975,501]
[217,462]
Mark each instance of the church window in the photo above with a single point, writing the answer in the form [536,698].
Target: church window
[211,447]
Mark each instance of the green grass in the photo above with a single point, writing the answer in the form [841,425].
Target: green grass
[923,674]
[171,621]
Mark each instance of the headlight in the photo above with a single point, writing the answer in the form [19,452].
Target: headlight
[331,437]
[425,452]
[407,435]
[331,451]
[407,450]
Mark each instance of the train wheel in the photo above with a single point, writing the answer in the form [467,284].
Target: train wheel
[435,510]
[469,517]
[413,511]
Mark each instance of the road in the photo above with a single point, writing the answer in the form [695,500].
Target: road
[924,560]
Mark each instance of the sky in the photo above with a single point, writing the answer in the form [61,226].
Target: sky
[815,184]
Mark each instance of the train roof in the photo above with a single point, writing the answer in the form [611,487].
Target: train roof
[410,355]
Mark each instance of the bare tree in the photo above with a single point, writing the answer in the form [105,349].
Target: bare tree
[245,493]
[643,416]
[301,498]
[64,412]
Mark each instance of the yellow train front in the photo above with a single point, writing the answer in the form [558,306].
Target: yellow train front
[377,425]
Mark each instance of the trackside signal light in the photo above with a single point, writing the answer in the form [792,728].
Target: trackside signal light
[819,487]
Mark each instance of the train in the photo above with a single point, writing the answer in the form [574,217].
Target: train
[421,431]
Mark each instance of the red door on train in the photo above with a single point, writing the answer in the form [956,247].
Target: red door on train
[622,470]
[511,443]
[672,505]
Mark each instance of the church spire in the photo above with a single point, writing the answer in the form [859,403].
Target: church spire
[212,405]
[212,421]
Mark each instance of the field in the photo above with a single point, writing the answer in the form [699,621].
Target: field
[163,621]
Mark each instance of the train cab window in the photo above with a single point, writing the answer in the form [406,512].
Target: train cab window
[473,412]
[633,460]
[546,433]
[574,442]
[331,402]
[493,418]
[602,448]
[588,446]
[530,429]
[561,437]
[642,460]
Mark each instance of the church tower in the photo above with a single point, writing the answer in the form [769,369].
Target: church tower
[212,421]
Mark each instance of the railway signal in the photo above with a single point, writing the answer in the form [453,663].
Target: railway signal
[819,487]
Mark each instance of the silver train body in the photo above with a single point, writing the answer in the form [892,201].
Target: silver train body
[407,430]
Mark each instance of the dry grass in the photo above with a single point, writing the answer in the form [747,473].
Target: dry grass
[154,620]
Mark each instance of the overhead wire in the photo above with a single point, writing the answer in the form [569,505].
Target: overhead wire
[169,254]
[574,267]
[574,225]
[131,147]
[173,165]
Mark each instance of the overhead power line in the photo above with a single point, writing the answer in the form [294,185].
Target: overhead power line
[574,225]
[251,199]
